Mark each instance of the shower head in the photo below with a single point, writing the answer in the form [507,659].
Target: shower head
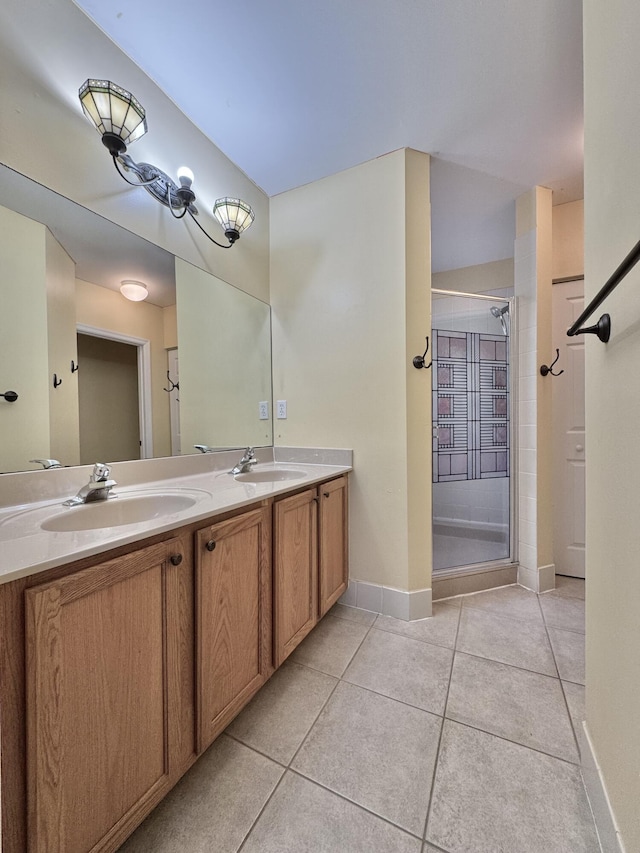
[499,314]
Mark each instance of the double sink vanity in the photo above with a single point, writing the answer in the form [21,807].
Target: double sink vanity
[135,629]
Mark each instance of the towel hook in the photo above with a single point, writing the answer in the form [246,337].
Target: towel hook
[545,369]
[418,361]
[172,385]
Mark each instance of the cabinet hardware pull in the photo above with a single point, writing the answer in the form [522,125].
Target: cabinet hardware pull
[175,559]
[326,494]
[317,500]
[211,544]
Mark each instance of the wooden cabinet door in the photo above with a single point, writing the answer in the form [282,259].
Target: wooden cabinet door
[295,572]
[233,618]
[333,570]
[97,701]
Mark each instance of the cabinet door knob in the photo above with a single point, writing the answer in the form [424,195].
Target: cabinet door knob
[175,559]
[211,544]
[326,494]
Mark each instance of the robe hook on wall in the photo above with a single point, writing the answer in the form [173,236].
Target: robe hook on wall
[545,369]
[418,361]
[74,366]
[172,384]
[56,381]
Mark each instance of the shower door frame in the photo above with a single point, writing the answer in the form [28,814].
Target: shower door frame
[512,558]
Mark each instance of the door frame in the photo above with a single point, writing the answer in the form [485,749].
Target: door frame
[143,347]
[566,280]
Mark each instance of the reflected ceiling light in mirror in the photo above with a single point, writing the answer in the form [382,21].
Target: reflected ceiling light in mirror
[120,119]
[136,291]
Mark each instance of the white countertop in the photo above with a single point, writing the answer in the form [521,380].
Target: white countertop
[26,549]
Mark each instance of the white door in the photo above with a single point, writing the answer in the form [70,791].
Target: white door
[569,440]
[174,400]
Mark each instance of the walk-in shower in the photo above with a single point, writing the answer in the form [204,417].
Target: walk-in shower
[472,427]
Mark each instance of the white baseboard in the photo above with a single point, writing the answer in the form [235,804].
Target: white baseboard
[608,832]
[541,579]
[399,603]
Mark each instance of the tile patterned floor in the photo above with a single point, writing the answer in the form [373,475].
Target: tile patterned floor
[450,735]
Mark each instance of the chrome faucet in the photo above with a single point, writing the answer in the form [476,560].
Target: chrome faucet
[47,463]
[244,465]
[97,489]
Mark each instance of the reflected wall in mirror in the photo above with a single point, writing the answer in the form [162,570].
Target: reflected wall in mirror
[62,266]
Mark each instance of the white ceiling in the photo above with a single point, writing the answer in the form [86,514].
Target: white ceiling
[292,91]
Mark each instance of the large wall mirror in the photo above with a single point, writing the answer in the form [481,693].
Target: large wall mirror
[101,378]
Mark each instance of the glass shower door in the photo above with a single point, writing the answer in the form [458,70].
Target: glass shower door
[471,430]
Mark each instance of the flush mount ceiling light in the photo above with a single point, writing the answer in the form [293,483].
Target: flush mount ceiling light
[136,291]
[120,119]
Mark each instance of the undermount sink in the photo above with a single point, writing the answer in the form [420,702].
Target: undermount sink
[271,475]
[116,512]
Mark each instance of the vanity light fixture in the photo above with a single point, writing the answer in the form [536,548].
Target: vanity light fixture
[120,119]
[136,291]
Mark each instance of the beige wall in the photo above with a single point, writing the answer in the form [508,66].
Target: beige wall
[568,239]
[612,190]
[224,362]
[24,425]
[479,278]
[61,333]
[48,50]
[350,303]
[107,309]
[108,382]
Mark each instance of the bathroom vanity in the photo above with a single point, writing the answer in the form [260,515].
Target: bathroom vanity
[127,650]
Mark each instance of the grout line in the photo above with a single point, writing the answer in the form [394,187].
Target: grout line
[354,803]
[261,812]
[564,695]
[516,742]
[335,687]
[436,762]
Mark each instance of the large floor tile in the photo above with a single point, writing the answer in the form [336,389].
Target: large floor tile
[568,648]
[511,601]
[213,807]
[375,751]
[519,642]
[402,668]
[516,704]
[563,612]
[353,614]
[277,720]
[493,796]
[570,587]
[304,818]
[441,628]
[331,645]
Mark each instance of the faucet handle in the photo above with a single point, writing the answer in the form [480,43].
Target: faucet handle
[101,472]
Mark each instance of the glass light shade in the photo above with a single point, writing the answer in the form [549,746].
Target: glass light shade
[233,214]
[136,291]
[113,110]
[186,173]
